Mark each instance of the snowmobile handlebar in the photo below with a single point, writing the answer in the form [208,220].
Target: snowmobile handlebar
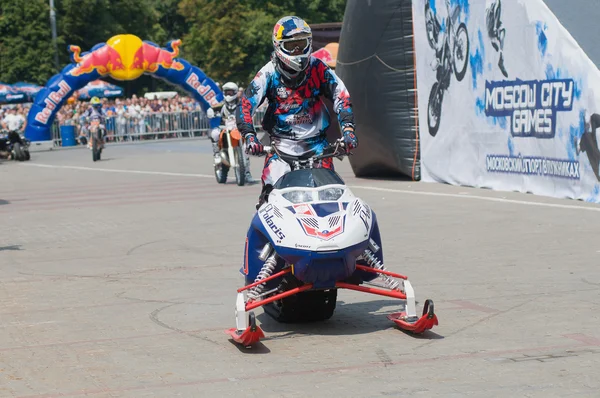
[335,149]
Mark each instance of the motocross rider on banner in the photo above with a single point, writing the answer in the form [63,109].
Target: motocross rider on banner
[95,112]
[230,92]
[496,31]
[296,118]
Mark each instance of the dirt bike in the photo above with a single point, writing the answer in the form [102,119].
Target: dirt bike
[231,153]
[96,139]
[14,145]
[452,58]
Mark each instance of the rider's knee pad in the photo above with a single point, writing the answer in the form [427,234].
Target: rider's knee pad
[214,135]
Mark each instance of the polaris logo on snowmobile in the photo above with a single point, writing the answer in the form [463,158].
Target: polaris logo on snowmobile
[531,105]
[269,221]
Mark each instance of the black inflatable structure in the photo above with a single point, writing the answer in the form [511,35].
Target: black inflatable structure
[376,62]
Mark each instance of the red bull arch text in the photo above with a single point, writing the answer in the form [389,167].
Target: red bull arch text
[51,103]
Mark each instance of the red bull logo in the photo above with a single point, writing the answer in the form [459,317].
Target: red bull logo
[52,102]
[150,57]
[126,57]
[104,60]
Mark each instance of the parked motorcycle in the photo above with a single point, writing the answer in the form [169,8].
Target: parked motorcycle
[311,237]
[231,153]
[14,145]
[451,58]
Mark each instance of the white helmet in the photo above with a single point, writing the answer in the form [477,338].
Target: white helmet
[230,92]
[292,41]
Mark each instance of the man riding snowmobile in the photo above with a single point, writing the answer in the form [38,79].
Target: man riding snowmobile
[296,118]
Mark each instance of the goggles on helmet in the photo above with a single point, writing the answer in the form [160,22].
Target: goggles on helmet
[295,46]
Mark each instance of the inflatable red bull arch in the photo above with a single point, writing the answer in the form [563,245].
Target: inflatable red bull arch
[122,57]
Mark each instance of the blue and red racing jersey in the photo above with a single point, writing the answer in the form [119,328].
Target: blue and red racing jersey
[95,114]
[296,119]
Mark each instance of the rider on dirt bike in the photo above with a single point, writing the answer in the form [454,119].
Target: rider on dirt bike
[588,142]
[496,31]
[296,118]
[95,112]
[230,92]
[438,37]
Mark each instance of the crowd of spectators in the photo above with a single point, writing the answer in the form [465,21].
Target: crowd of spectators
[127,118]
[137,118]
[14,117]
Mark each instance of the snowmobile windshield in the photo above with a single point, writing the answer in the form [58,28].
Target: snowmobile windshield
[308,178]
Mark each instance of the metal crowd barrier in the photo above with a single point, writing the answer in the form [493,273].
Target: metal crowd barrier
[151,126]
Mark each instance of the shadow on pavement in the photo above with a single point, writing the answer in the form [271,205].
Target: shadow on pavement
[348,319]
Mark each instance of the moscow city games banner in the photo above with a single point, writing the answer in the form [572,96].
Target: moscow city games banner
[505,98]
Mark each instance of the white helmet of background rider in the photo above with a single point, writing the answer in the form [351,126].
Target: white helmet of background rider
[230,92]
[292,41]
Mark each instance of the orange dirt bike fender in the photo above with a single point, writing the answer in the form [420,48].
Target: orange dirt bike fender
[236,137]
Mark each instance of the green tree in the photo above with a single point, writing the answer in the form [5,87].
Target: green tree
[231,40]
[312,11]
[170,24]
[228,39]
[89,22]
[26,52]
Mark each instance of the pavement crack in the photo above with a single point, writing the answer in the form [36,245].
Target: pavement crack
[144,244]
[584,280]
[154,318]
[486,318]
[122,295]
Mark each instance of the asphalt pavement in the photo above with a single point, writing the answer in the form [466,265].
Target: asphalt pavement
[118,279]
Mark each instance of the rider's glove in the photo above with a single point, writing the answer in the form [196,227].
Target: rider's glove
[253,145]
[350,140]
[211,113]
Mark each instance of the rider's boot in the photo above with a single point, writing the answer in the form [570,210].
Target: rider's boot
[249,179]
